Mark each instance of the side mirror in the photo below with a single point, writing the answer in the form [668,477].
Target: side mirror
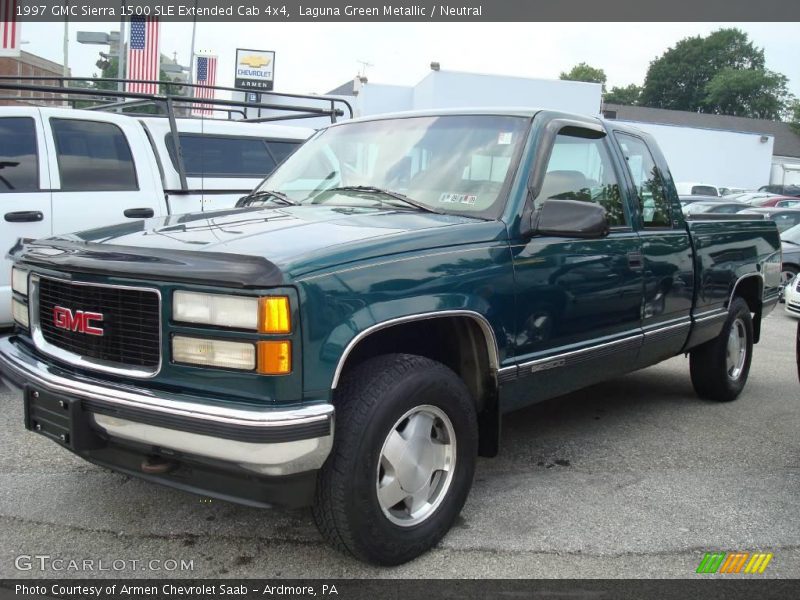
[570,218]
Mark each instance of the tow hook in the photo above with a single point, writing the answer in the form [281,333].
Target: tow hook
[155,465]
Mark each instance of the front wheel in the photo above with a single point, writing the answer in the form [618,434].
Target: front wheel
[720,367]
[403,459]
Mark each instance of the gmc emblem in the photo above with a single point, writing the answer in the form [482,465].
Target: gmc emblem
[79,321]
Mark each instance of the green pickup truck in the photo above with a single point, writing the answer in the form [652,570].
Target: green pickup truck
[350,337]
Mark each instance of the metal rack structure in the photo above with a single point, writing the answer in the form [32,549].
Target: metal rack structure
[166,105]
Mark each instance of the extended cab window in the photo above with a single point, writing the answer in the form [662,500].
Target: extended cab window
[227,156]
[653,202]
[281,150]
[19,167]
[580,168]
[92,156]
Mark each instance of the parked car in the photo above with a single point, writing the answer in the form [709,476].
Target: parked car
[792,298]
[686,200]
[752,198]
[790,247]
[727,208]
[783,190]
[63,169]
[696,189]
[784,217]
[792,295]
[414,277]
[780,202]
[727,191]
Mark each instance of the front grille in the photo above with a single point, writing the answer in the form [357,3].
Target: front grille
[131,323]
[793,306]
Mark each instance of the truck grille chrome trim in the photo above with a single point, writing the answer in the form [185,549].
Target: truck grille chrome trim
[26,368]
[44,336]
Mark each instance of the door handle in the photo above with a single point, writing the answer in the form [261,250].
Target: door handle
[635,261]
[24,216]
[138,213]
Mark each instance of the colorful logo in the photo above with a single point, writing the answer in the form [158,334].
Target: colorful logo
[734,562]
[254,61]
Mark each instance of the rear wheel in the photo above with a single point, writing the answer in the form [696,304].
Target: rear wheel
[720,367]
[402,462]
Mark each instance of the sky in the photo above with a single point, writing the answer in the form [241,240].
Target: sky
[317,57]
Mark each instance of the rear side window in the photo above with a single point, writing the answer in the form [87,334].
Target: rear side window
[93,156]
[281,150]
[19,165]
[580,168]
[224,156]
[654,205]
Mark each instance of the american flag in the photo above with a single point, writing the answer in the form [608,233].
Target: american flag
[206,75]
[10,28]
[144,57]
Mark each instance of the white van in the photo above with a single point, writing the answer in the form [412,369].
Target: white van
[64,170]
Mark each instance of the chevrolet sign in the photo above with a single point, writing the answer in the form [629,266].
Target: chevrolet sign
[254,69]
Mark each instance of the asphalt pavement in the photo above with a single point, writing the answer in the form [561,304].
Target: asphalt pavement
[636,477]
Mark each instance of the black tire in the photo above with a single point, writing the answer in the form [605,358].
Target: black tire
[369,401]
[708,363]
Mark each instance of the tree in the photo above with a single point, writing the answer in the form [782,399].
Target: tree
[585,72]
[679,78]
[629,94]
[754,93]
[794,116]
[108,70]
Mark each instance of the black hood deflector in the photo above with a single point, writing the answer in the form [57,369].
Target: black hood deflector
[230,270]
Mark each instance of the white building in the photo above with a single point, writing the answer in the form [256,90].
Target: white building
[454,89]
[714,149]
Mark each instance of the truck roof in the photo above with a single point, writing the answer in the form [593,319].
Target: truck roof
[512,111]
[223,127]
[160,123]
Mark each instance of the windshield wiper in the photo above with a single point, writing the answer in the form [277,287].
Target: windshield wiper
[370,189]
[279,196]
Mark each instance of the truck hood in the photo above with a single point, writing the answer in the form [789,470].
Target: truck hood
[253,247]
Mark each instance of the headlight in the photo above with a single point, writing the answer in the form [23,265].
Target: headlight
[214,353]
[265,315]
[20,313]
[19,281]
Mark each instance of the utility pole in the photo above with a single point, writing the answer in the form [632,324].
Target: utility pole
[121,53]
[66,42]
[191,51]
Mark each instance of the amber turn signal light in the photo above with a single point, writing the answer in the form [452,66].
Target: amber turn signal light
[273,315]
[275,357]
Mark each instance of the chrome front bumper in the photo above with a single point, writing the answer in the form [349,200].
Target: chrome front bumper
[269,441]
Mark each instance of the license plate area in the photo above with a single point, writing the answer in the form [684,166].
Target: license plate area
[60,418]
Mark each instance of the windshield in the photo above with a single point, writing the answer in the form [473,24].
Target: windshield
[792,235]
[457,164]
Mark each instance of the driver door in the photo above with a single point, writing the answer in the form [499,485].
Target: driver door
[578,300]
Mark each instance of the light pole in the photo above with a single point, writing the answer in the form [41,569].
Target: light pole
[121,55]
